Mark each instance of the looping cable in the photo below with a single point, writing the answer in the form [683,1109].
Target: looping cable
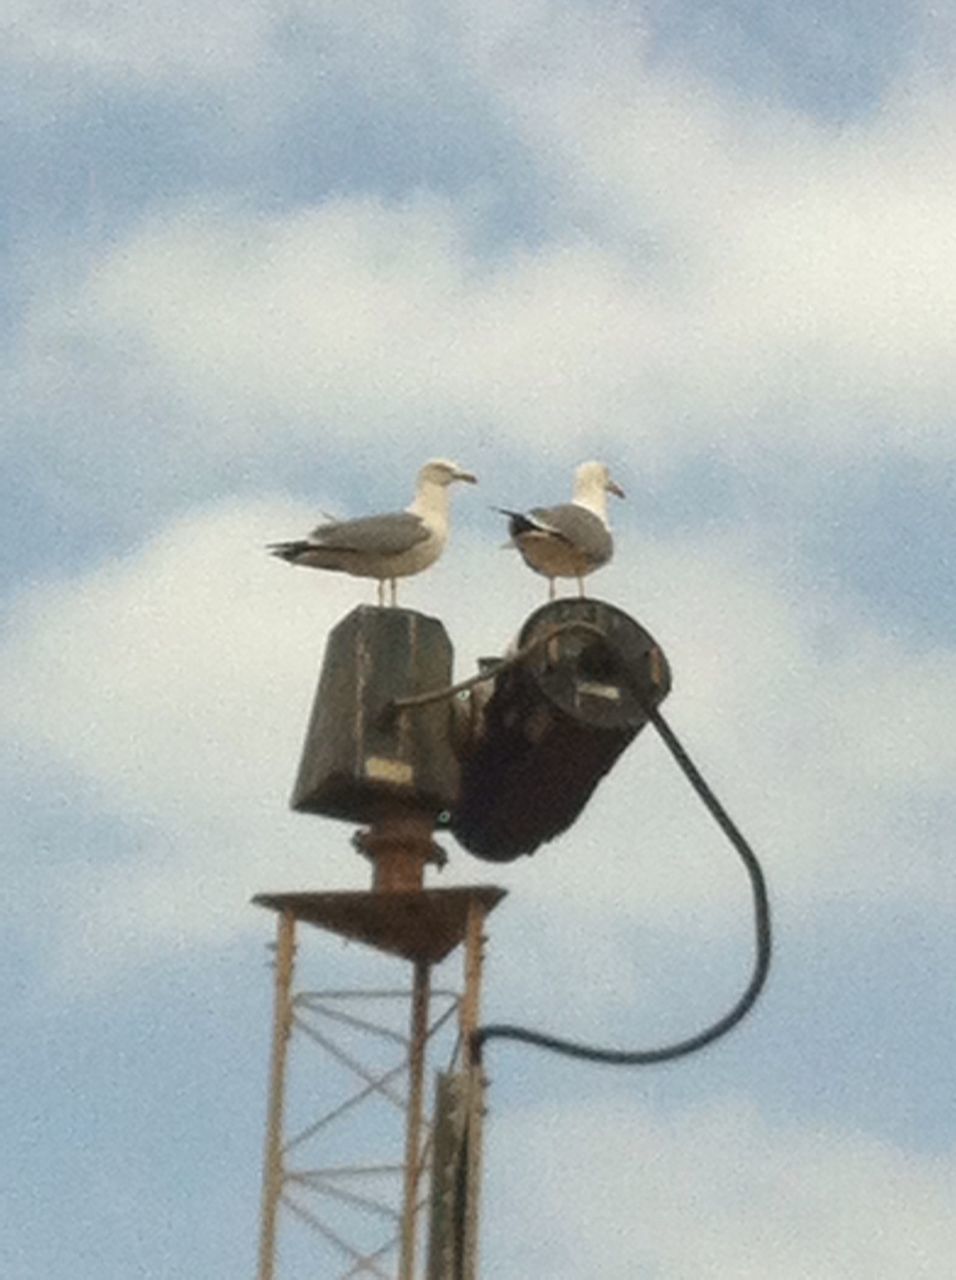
[762,956]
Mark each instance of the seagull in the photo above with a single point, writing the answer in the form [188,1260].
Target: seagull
[385,547]
[573,539]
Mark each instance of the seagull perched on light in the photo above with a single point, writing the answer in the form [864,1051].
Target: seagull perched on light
[573,539]
[385,547]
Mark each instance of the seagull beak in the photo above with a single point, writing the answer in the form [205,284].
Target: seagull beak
[466,476]
[613,487]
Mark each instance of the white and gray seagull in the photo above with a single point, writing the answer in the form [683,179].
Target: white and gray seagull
[573,539]
[386,547]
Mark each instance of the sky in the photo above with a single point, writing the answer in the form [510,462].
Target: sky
[260,261]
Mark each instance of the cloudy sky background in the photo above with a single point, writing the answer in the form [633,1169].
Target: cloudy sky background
[260,261]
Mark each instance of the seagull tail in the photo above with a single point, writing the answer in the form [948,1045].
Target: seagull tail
[517,523]
[290,551]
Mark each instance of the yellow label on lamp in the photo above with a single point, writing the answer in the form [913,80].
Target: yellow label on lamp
[592,690]
[397,772]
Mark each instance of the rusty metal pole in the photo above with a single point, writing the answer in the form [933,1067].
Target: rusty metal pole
[469,1014]
[413,1130]
[398,847]
[281,1030]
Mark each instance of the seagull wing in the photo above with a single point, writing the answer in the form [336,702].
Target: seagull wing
[386,535]
[574,526]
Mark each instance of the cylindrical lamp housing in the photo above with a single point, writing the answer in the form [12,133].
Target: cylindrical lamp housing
[553,726]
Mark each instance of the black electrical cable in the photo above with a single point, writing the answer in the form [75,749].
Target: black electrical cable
[679,1049]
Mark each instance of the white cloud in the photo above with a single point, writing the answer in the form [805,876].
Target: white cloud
[796,298]
[714,1192]
[714,277]
[808,273]
[358,316]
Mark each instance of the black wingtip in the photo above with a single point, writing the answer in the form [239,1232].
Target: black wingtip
[288,551]
[517,523]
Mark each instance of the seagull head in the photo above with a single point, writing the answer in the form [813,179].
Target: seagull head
[594,477]
[442,472]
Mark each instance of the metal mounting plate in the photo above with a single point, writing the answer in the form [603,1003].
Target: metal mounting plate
[420,925]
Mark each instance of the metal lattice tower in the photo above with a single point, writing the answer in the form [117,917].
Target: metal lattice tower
[370,1214]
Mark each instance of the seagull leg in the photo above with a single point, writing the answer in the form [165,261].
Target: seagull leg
[551,590]
[381,592]
[581,588]
[393,585]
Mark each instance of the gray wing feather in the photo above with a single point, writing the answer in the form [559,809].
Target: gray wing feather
[578,527]
[374,535]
